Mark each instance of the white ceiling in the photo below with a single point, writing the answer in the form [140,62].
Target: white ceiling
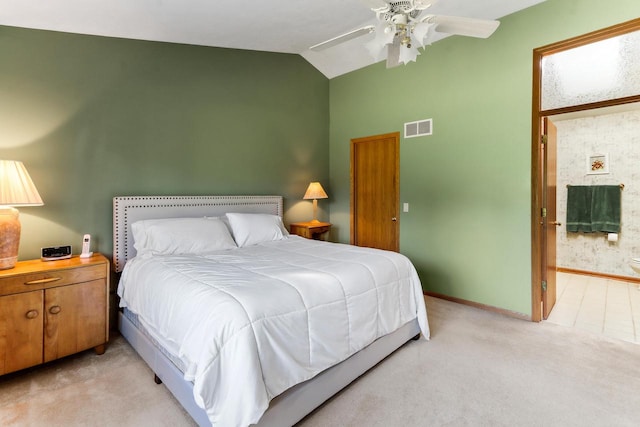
[286,26]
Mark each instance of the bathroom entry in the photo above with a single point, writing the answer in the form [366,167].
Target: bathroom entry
[554,93]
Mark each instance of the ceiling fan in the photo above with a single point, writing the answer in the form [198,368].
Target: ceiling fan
[403,27]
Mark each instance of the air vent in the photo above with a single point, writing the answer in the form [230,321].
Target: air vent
[419,128]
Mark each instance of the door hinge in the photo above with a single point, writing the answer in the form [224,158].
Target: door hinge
[544,212]
[544,286]
[543,139]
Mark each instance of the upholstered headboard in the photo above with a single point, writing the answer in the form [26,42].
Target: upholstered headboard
[129,209]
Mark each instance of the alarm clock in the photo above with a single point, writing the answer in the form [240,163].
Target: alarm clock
[57,252]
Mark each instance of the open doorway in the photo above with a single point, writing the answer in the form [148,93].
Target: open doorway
[597,290]
[555,93]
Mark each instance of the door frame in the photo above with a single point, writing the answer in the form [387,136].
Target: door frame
[538,222]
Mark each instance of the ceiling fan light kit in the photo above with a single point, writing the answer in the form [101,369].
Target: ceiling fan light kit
[401,30]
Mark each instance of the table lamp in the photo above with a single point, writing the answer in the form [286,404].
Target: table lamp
[315,192]
[16,189]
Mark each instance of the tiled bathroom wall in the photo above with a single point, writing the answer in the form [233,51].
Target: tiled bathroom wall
[617,135]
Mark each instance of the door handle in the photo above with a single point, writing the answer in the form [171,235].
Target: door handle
[394,219]
[556,223]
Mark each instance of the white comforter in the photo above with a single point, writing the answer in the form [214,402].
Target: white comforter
[250,323]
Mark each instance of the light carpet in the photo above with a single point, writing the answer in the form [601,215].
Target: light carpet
[479,369]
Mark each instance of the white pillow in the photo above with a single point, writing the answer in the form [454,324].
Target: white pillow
[181,236]
[251,229]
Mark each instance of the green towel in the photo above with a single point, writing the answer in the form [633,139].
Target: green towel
[605,208]
[593,208]
[579,208]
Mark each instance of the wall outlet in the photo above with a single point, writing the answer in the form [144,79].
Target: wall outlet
[405,207]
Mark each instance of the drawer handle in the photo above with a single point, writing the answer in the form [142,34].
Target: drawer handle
[31,314]
[43,281]
[55,309]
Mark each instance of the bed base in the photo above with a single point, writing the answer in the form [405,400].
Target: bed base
[292,405]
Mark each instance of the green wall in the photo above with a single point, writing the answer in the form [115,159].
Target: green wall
[93,118]
[468,229]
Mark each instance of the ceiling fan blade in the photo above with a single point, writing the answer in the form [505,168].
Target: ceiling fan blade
[471,27]
[343,38]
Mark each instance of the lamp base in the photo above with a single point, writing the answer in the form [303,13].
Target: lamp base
[315,211]
[8,263]
[9,237]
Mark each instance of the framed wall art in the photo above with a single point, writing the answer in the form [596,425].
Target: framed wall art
[597,164]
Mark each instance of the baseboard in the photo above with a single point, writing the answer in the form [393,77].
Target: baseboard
[522,316]
[602,275]
[502,311]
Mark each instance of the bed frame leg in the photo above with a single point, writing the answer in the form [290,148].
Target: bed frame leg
[157,379]
[416,338]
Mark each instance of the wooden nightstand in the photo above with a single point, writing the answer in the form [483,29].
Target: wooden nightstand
[310,230]
[52,309]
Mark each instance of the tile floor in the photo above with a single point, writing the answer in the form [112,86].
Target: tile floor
[599,305]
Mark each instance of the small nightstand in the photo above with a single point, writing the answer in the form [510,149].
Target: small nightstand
[52,309]
[311,229]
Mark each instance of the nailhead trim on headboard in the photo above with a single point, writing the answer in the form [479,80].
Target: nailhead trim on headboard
[128,209]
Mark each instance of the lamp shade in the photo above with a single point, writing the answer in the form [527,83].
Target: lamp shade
[315,191]
[16,186]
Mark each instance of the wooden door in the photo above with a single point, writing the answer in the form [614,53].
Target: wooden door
[20,331]
[74,318]
[550,222]
[375,191]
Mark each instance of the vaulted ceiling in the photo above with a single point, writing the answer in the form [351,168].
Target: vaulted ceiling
[286,26]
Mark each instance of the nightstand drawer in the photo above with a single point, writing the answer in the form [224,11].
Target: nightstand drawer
[319,230]
[46,279]
[310,230]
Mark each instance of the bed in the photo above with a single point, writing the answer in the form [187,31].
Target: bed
[250,373]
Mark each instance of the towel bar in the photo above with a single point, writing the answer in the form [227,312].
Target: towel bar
[621,186]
